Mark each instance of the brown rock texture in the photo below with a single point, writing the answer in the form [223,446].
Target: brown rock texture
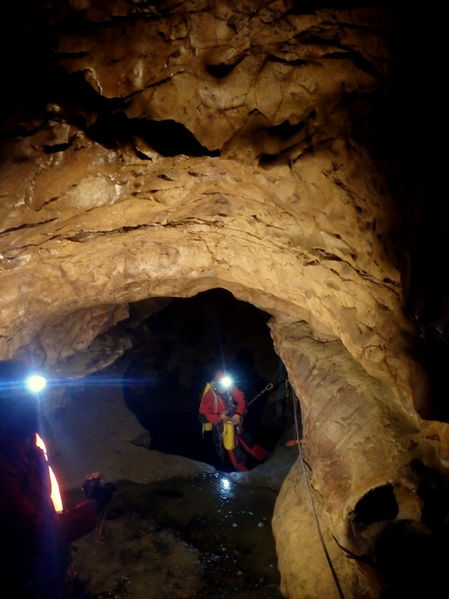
[184,146]
[196,218]
[346,459]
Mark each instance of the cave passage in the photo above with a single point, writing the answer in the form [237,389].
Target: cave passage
[197,533]
[176,351]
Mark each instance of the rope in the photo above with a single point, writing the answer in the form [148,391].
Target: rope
[269,387]
[309,492]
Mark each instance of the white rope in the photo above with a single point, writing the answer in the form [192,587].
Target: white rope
[309,492]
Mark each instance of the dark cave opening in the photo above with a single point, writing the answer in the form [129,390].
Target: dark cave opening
[377,505]
[187,529]
[167,137]
[408,554]
[174,354]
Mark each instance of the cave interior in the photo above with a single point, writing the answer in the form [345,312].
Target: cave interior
[255,186]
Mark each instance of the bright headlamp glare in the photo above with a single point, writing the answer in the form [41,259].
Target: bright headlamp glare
[226,381]
[36,383]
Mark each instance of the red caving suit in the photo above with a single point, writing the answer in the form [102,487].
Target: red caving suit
[232,402]
[34,539]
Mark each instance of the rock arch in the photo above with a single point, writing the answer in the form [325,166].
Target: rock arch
[72,272]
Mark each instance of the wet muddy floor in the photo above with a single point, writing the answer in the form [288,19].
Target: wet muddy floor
[205,537]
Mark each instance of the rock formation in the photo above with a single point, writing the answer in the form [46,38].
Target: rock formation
[175,147]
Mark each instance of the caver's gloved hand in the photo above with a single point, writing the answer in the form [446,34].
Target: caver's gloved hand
[236,419]
[96,488]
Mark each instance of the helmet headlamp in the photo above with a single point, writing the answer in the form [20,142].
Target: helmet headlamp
[226,381]
[36,383]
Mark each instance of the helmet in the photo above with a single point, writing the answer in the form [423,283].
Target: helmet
[222,381]
[218,374]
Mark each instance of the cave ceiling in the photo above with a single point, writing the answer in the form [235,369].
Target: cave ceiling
[163,149]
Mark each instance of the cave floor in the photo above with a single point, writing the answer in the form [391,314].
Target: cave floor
[192,538]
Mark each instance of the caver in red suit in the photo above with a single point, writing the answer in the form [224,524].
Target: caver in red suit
[218,404]
[34,539]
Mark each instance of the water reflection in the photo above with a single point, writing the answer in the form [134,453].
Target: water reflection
[206,536]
